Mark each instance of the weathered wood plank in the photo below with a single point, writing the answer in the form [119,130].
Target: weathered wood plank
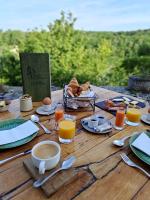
[12,177]
[65,193]
[87,147]
[80,147]
[16,191]
[106,148]
[103,168]
[143,194]
[122,183]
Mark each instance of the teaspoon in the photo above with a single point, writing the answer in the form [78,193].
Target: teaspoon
[36,119]
[121,142]
[65,165]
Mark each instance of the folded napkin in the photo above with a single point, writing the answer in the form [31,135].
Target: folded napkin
[104,127]
[87,94]
[20,132]
[142,142]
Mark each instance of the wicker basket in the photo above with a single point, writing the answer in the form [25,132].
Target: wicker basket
[85,103]
[139,83]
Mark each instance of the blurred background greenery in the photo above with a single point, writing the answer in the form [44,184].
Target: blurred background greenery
[103,58]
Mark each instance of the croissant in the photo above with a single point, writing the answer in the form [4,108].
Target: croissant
[85,86]
[74,85]
[74,89]
[74,82]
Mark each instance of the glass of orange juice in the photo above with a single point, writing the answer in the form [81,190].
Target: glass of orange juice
[133,116]
[120,116]
[59,114]
[67,128]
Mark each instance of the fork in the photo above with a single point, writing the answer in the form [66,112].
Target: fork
[129,162]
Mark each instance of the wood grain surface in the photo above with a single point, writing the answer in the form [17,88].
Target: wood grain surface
[102,175]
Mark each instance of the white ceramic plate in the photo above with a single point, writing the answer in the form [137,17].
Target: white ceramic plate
[40,110]
[85,126]
[144,119]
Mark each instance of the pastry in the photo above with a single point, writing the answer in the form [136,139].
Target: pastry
[74,89]
[74,82]
[85,86]
[110,104]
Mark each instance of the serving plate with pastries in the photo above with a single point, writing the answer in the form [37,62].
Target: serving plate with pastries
[122,102]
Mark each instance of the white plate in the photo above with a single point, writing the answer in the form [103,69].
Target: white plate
[40,110]
[144,119]
[85,126]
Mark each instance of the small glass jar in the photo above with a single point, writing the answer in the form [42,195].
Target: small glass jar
[26,103]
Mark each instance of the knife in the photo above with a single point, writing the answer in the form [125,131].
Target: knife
[15,156]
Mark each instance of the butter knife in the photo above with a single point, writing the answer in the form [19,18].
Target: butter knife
[15,156]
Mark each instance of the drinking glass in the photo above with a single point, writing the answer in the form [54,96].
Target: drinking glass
[120,116]
[59,114]
[133,116]
[67,128]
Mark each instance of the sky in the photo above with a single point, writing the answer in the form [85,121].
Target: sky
[92,15]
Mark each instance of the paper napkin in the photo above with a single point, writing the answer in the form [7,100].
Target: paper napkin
[104,127]
[142,143]
[20,132]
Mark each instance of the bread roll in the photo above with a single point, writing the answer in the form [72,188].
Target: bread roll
[85,86]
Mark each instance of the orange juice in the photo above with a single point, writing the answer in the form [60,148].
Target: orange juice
[59,114]
[120,115]
[67,129]
[133,115]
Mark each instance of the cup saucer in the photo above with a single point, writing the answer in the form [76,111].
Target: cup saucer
[102,121]
[48,108]
[41,111]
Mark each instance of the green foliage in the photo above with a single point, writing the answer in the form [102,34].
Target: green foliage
[11,69]
[137,65]
[103,58]
[144,50]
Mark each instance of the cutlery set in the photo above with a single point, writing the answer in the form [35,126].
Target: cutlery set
[125,158]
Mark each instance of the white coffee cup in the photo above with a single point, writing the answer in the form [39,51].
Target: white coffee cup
[93,123]
[45,155]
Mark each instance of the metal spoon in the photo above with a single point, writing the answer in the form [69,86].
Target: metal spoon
[36,119]
[121,142]
[65,165]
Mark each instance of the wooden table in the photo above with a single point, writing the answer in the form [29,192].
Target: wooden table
[103,175]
